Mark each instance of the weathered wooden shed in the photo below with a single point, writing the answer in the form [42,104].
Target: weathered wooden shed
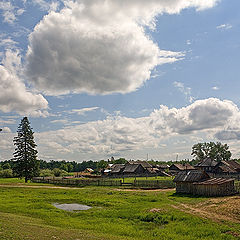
[214,187]
[184,180]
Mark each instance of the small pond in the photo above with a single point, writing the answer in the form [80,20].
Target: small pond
[71,207]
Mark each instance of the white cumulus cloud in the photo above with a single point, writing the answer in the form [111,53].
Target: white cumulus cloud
[99,47]
[14,96]
[122,134]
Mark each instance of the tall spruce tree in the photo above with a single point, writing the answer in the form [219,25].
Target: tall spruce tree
[25,155]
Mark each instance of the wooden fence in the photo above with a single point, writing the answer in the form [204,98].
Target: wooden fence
[237,187]
[154,184]
[161,184]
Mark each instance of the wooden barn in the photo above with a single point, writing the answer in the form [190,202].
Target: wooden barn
[199,183]
[214,187]
[185,179]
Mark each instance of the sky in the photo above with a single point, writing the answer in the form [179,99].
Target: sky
[135,79]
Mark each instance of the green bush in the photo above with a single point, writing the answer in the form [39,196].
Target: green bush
[46,173]
[60,173]
[6,173]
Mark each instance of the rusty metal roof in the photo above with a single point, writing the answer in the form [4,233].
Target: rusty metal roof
[214,181]
[191,176]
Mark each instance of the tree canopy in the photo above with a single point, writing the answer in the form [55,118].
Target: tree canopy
[215,151]
[25,155]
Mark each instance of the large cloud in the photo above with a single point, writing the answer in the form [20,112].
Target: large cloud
[122,134]
[13,94]
[97,46]
[205,114]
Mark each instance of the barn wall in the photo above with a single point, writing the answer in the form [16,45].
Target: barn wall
[183,187]
[223,189]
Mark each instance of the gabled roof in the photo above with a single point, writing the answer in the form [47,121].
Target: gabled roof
[117,168]
[234,164]
[191,176]
[153,170]
[207,162]
[131,168]
[145,164]
[225,166]
[163,166]
[183,167]
[227,169]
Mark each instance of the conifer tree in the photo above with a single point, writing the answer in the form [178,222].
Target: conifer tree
[25,155]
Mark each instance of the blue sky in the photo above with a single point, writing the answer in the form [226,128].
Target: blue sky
[118,78]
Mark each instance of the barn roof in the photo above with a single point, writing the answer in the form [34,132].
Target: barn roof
[214,181]
[191,176]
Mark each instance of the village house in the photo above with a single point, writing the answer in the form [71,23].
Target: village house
[175,168]
[227,167]
[117,170]
[206,165]
[134,169]
[163,167]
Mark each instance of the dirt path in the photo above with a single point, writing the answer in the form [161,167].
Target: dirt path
[217,209]
[205,214]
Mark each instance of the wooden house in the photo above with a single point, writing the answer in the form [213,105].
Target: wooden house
[175,168]
[163,167]
[206,165]
[134,169]
[224,167]
[235,165]
[185,179]
[117,170]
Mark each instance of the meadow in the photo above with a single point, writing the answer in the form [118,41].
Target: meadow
[26,212]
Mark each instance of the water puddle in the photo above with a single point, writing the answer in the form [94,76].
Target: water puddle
[71,207]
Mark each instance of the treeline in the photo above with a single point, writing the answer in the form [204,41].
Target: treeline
[65,168]
[68,166]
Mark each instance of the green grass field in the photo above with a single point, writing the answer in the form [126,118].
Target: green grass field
[27,213]
[131,179]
